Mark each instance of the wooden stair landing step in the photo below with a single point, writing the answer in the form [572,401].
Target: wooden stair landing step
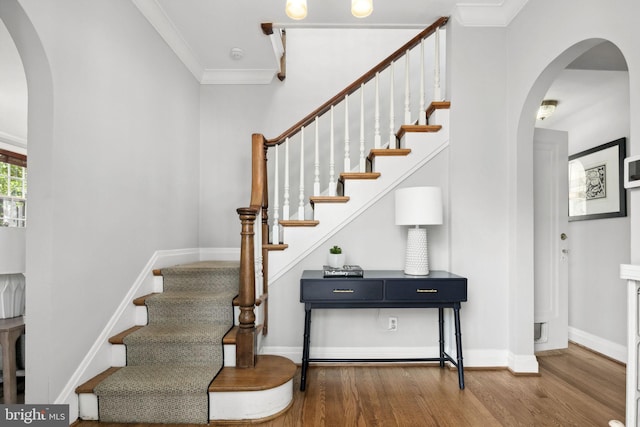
[269,372]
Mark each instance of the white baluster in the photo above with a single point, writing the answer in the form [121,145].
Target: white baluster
[275,230]
[301,195]
[362,159]
[316,173]
[332,167]
[347,148]
[285,204]
[377,143]
[422,117]
[392,132]
[407,89]
[437,96]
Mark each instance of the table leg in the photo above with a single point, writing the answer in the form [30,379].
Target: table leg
[456,315]
[305,348]
[9,387]
[441,334]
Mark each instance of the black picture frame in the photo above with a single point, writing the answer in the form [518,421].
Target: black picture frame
[596,182]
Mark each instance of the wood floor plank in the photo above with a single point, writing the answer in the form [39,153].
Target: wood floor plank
[575,388]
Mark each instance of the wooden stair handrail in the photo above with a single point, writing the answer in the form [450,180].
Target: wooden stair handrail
[356,84]
[259,203]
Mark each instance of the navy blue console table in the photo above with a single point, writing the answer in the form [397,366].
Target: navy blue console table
[385,289]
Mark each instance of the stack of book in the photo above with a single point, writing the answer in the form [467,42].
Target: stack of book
[344,271]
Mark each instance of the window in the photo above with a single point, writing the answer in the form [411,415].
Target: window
[13,189]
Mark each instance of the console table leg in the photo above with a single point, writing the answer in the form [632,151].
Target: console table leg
[305,348]
[456,315]
[441,334]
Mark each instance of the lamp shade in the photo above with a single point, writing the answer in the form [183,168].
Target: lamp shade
[418,206]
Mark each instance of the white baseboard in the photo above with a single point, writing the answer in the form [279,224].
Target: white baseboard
[479,358]
[523,363]
[608,348]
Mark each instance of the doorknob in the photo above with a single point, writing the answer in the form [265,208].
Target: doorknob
[563,236]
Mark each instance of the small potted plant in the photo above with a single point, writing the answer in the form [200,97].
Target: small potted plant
[336,257]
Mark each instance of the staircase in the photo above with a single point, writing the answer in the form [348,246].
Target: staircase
[222,377]
[172,361]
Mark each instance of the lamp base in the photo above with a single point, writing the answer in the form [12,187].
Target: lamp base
[417,259]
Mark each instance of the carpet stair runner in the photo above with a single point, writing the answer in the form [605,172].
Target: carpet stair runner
[172,360]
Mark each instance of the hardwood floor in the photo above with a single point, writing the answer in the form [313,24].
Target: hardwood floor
[575,388]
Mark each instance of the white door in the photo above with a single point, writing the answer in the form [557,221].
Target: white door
[551,277]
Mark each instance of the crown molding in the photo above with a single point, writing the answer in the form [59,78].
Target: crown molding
[488,15]
[157,17]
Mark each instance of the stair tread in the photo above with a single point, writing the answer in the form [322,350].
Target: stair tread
[359,175]
[193,295]
[119,338]
[298,222]
[380,152]
[230,337]
[162,379]
[270,371]
[182,333]
[140,301]
[88,386]
[417,128]
[438,105]
[328,199]
[275,247]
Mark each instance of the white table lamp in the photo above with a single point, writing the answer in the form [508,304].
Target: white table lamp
[418,206]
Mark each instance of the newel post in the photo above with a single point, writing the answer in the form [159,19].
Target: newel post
[246,337]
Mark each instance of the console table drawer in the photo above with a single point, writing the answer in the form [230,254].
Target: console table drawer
[341,290]
[432,290]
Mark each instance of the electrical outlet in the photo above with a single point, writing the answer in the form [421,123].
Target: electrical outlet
[393,324]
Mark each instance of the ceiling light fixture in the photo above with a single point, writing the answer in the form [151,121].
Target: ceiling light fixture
[296,9]
[361,8]
[547,108]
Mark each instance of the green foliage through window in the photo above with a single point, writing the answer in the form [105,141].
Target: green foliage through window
[13,194]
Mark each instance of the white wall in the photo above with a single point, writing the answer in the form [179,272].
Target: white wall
[113,169]
[534,59]
[479,183]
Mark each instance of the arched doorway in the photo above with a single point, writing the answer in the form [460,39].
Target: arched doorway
[594,94]
[521,257]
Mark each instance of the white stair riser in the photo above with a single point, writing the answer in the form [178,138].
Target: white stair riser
[88,406]
[245,405]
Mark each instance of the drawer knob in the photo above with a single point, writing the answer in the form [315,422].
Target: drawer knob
[427,291]
[343,291]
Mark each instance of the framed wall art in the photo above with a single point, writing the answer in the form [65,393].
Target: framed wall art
[596,188]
